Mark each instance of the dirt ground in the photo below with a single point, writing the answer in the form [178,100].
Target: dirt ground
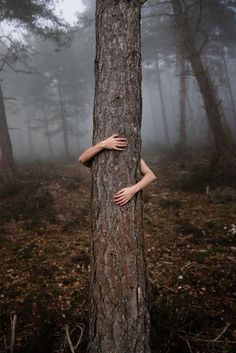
[190,233]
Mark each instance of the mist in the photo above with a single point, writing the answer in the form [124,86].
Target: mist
[35,113]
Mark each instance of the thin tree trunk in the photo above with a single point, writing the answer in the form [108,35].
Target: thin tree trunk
[191,121]
[119,317]
[7,160]
[47,132]
[163,110]
[222,136]
[154,120]
[63,120]
[31,149]
[182,103]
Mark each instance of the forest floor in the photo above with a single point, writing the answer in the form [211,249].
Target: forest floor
[190,249]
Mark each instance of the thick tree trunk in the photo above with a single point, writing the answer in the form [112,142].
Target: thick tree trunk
[7,160]
[163,110]
[182,104]
[119,317]
[221,134]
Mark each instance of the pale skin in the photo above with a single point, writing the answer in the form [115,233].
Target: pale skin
[118,143]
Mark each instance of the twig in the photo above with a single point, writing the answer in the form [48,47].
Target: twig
[81,334]
[13,331]
[210,341]
[185,340]
[222,332]
[69,340]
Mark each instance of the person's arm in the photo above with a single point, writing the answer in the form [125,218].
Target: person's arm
[114,142]
[126,194]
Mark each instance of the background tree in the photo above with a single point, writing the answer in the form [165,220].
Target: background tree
[12,50]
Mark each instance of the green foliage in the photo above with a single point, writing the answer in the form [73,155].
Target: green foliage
[26,11]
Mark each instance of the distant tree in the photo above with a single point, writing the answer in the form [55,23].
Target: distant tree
[182,143]
[119,318]
[163,108]
[21,15]
[191,41]
[7,160]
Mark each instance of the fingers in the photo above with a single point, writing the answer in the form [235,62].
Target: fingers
[120,198]
[121,202]
[119,192]
[119,148]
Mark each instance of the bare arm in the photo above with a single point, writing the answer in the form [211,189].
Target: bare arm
[114,142]
[126,194]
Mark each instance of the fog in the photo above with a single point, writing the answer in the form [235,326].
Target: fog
[49,90]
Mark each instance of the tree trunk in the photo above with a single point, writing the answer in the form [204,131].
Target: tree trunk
[47,132]
[63,121]
[222,136]
[153,110]
[31,149]
[119,317]
[228,84]
[7,160]
[182,103]
[164,117]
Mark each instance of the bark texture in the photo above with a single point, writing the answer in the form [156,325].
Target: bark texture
[7,160]
[119,317]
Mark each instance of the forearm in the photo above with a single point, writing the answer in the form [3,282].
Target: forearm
[145,181]
[114,142]
[90,152]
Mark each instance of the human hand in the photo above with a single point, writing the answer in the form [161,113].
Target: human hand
[115,142]
[124,195]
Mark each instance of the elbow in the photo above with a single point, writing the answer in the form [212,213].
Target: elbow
[84,161]
[153,176]
[81,160]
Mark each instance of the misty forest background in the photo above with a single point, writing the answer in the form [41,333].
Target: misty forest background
[51,114]
[188,139]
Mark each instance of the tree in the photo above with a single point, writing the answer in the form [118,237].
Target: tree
[163,110]
[119,317]
[189,42]
[7,160]
[22,15]
[182,103]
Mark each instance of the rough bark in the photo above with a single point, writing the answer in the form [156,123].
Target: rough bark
[7,160]
[215,114]
[119,317]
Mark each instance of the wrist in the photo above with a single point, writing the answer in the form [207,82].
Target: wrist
[102,144]
[135,188]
